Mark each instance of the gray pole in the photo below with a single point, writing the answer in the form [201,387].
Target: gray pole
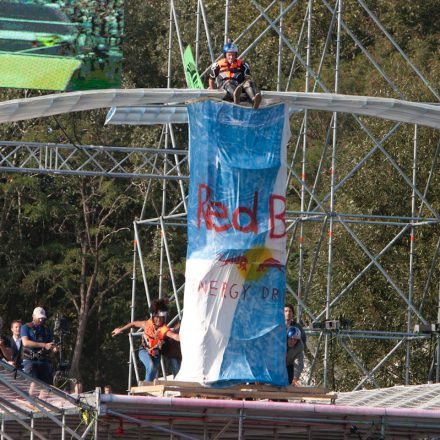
[197,42]
[167,136]
[97,411]
[132,315]
[226,21]
[208,38]
[332,196]
[404,55]
[280,47]
[437,366]
[31,437]
[304,162]
[63,431]
[411,259]
[240,425]
[179,39]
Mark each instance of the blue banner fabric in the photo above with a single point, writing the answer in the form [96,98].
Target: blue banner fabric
[233,327]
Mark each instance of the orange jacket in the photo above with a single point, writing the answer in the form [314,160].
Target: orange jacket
[154,337]
[230,71]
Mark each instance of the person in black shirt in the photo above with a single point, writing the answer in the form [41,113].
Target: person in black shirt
[5,347]
[16,343]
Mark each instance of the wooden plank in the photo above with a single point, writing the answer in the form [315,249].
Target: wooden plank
[258,395]
[291,388]
[262,387]
[148,389]
[253,391]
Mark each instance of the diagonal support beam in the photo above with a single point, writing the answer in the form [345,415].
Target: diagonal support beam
[400,50]
[379,365]
[39,406]
[363,271]
[23,423]
[363,247]
[151,425]
[356,360]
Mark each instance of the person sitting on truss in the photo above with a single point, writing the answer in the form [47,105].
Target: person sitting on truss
[153,339]
[232,75]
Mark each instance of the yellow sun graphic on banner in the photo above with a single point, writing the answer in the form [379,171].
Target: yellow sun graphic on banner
[255,258]
[254,263]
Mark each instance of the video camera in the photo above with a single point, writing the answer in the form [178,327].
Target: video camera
[61,327]
[334,324]
[61,330]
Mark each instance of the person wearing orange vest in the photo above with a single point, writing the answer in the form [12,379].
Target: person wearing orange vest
[153,338]
[233,75]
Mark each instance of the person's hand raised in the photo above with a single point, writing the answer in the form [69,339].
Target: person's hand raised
[116,331]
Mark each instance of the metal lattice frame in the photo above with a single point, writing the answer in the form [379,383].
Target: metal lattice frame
[314,208]
[90,160]
[30,406]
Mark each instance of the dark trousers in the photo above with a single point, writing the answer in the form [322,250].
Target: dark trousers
[39,368]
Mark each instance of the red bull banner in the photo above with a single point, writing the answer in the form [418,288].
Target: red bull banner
[233,327]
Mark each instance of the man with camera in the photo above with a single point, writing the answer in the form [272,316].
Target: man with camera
[38,344]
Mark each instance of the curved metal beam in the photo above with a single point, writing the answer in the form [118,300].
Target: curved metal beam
[58,103]
[385,108]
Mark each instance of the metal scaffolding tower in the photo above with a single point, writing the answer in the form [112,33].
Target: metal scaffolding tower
[317,222]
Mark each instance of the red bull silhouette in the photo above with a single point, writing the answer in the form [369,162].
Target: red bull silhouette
[240,260]
[270,262]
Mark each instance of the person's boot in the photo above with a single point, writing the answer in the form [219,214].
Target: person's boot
[255,98]
[256,101]
[237,94]
[229,89]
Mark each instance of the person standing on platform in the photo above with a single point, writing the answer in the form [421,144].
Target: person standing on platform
[233,75]
[291,322]
[16,343]
[295,355]
[153,338]
[38,344]
[172,353]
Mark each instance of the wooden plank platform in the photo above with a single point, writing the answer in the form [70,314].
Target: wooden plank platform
[243,391]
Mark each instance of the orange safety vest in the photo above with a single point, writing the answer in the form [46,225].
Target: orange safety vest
[154,337]
[230,71]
